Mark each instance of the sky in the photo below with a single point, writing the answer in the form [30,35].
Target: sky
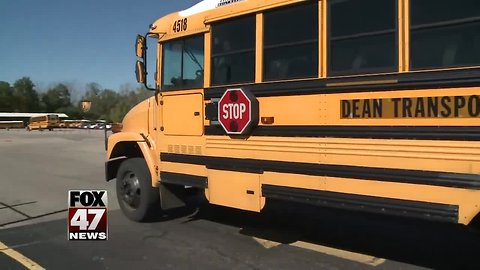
[76,41]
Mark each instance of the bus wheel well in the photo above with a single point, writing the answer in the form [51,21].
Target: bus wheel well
[121,152]
[475,223]
[126,149]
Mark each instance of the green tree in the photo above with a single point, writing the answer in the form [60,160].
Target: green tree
[92,94]
[128,99]
[6,97]
[92,90]
[110,105]
[117,113]
[73,112]
[26,98]
[56,98]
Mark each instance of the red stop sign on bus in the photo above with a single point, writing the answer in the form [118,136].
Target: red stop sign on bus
[238,111]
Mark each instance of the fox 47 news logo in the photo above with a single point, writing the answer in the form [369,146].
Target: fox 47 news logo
[87,215]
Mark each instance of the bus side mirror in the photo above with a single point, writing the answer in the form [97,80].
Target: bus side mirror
[140,72]
[141,65]
[140,46]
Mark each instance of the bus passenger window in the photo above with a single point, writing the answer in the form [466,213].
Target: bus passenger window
[233,51]
[362,36]
[291,42]
[444,34]
[183,62]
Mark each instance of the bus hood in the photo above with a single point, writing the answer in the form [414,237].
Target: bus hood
[136,120]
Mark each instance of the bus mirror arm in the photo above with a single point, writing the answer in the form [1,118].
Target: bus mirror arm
[141,52]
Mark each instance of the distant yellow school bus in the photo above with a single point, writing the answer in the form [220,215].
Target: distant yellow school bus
[49,122]
[307,101]
[11,124]
[70,123]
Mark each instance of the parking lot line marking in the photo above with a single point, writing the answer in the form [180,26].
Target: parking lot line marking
[29,264]
[343,254]
[14,210]
[348,255]
[266,243]
[15,205]
[3,225]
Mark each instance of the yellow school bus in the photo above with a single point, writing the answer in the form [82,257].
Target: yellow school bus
[375,110]
[49,122]
[70,123]
[11,124]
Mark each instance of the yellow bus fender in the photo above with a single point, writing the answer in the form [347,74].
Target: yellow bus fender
[124,145]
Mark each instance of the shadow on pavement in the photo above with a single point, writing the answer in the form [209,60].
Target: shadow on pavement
[421,243]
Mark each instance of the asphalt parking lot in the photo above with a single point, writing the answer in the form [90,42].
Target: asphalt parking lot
[38,168]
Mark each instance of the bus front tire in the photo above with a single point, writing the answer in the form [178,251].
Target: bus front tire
[137,198]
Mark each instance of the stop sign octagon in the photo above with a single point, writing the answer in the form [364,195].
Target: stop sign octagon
[238,111]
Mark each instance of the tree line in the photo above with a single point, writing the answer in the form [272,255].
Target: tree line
[106,104]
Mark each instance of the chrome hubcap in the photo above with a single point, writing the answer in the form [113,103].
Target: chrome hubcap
[130,190]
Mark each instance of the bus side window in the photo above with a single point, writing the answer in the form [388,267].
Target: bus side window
[291,42]
[362,36]
[233,51]
[443,34]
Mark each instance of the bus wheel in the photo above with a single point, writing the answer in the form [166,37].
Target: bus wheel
[137,198]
